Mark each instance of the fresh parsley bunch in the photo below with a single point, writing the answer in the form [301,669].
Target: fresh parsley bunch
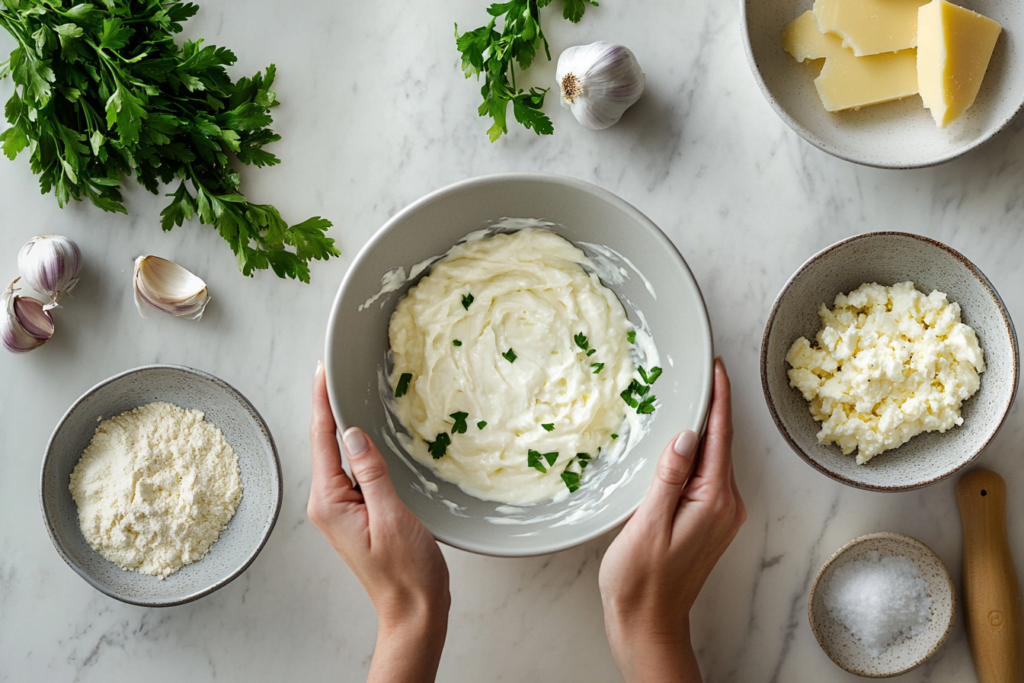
[102,91]
[491,53]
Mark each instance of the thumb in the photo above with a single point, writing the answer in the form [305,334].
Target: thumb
[674,468]
[369,469]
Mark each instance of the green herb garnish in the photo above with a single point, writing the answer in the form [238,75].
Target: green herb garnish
[591,352]
[467,299]
[460,422]
[614,436]
[535,459]
[403,384]
[456,342]
[572,480]
[584,459]
[631,336]
[486,51]
[102,92]
[598,367]
[481,424]
[652,377]
[627,396]
[548,426]
[581,341]
[510,356]
[646,406]
[439,446]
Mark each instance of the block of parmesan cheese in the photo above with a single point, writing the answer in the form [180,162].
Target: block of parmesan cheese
[847,81]
[870,27]
[953,52]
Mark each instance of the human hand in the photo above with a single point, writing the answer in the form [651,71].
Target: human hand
[653,570]
[386,546]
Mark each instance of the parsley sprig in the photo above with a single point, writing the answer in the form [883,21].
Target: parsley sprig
[493,54]
[103,92]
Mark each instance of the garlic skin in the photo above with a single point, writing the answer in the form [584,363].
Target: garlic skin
[27,324]
[50,264]
[168,287]
[599,82]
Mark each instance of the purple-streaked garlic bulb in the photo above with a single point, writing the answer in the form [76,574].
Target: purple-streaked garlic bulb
[168,287]
[50,264]
[26,325]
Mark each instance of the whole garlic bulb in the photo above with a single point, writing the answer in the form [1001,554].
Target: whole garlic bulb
[50,264]
[166,286]
[26,325]
[599,82]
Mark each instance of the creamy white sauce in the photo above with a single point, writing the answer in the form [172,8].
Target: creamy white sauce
[611,267]
[513,357]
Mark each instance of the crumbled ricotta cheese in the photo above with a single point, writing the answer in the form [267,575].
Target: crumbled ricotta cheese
[155,488]
[888,364]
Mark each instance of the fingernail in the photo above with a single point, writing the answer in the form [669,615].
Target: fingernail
[685,443]
[319,367]
[721,362]
[355,442]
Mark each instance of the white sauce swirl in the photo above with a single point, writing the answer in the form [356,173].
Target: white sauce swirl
[532,295]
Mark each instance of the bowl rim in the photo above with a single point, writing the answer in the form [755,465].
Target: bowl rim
[907,540]
[557,179]
[808,135]
[770,324]
[220,582]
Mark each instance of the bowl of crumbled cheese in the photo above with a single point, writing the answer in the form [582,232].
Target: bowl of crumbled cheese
[889,361]
[160,485]
[882,605]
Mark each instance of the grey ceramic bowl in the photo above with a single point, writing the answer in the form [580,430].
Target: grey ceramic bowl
[357,343]
[844,648]
[888,258]
[245,430]
[897,134]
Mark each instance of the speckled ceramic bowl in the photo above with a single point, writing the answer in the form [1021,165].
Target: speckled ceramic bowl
[667,296]
[245,430]
[844,648]
[897,134]
[888,258]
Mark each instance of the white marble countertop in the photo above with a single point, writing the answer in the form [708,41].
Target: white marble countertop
[375,114]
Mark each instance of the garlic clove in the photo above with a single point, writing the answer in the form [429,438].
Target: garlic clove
[27,324]
[50,264]
[599,82]
[168,287]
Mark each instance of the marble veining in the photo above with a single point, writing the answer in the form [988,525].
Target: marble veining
[374,114]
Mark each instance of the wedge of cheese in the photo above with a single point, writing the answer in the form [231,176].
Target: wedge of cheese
[847,81]
[870,27]
[953,51]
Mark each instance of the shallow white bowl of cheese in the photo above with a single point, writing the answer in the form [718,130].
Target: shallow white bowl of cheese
[888,258]
[898,134]
[657,290]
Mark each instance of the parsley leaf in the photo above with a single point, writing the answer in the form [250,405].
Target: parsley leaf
[581,341]
[467,299]
[534,459]
[631,336]
[494,54]
[103,92]
[439,446]
[598,367]
[510,356]
[614,436]
[456,342]
[460,422]
[584,459]
[481,424]
[548,426]
[646,406]
[572,480]
[591,352]
[627,396]
[403,384]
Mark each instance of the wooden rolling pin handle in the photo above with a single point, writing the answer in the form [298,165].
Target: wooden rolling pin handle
[991,593]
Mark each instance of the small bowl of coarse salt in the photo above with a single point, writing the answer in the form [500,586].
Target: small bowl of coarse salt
[882,605]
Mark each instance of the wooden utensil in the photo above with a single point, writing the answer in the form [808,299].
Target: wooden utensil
[992,599]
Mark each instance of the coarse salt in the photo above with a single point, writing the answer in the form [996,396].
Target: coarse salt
[880,599]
